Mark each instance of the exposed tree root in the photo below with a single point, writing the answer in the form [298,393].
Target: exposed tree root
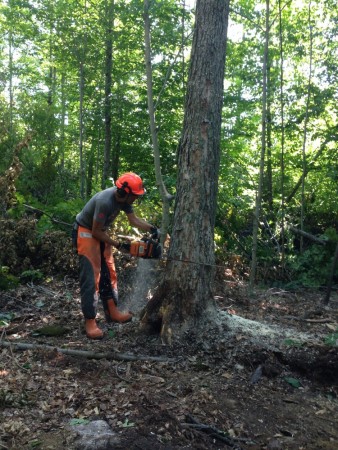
[320,363]
[171,315]
[215,433]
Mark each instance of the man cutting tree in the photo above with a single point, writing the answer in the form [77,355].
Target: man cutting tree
[94,247]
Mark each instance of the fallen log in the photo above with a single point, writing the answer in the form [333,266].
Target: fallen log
[85,353]
[309,236]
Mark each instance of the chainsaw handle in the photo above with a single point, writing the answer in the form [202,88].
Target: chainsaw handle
[155,233]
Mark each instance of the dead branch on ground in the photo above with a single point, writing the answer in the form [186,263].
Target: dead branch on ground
[84,353]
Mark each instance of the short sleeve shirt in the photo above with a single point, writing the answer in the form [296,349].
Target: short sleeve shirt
[103,208]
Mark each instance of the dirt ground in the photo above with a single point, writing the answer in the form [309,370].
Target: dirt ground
[264,375]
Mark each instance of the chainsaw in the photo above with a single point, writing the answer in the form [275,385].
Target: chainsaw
[146,247]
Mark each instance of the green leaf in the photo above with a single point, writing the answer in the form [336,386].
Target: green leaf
[7,316]
[79,422]
[128,424]
[332,339]
[35,443]
[293,382]
[111,333]
[292,343]
[39,304]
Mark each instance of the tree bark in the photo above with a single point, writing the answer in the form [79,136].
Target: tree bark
[185,294]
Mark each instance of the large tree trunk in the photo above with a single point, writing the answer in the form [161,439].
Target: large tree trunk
[185,293]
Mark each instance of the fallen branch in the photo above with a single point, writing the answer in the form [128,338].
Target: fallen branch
[84,353]
[213,432]
[309,236]
[318,320]
[302,319]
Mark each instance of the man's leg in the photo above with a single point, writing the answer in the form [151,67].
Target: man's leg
[90,263]
[108,287]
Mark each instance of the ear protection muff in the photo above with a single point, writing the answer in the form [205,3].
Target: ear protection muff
[122,191]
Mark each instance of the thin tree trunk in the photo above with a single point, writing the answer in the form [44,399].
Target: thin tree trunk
[81,112]
[81,131]
[118,133]
[50,96]
[90,172]
[63,122]
[11,96]
[283,132]
[117,140]
[98,145]
[261,168]
[331,277]
[165,196]
[268,183]
[109,8]
[305,134]
[182,44]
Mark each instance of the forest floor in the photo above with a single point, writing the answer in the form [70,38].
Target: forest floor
[264,375]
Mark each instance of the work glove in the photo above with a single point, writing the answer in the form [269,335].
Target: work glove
[125,247]
[155,232]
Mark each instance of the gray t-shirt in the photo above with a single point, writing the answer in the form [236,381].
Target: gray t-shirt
[104,208]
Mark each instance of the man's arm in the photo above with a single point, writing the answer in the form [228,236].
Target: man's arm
[101,235]
[140,223]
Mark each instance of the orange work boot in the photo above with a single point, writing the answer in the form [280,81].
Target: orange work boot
[116,315]
[92,330]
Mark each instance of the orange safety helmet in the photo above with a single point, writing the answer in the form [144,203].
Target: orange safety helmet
[130,183]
